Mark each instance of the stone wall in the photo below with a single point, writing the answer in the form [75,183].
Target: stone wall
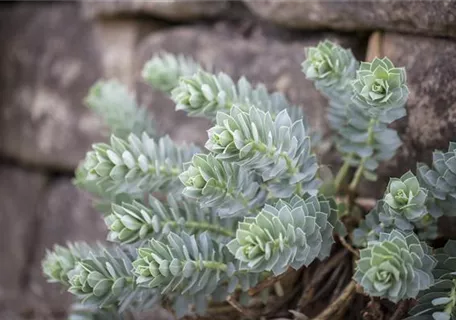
[51,53]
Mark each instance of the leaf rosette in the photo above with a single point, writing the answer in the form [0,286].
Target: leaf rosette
[395,267]
[380,87]
[405,202]
[287,234]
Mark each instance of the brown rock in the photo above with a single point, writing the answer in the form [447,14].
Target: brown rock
[65,214]
[48,61]
[181,10]
[424,17]
[260,58]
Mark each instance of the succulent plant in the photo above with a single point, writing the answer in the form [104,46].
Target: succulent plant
[395,267]
[58,262]
[439,301]
[136,165]
[329,66]
[380,86]
[404,202]
[370,228]
[275,149]
[119,109]
[100,279]
[440,180]
[164,70]
[291,233]
[134,221]
[217,184]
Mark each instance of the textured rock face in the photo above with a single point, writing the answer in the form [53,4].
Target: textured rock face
[269,60]
[65,214]
[424,17]
[117,40]
[46,72]
[20,194]
[181,10]
[39,213]
[431,109]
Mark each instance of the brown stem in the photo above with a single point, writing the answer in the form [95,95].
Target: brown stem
[328,266]
[348,246]
[269,282]
[401,309]
[236,305]
[338,304]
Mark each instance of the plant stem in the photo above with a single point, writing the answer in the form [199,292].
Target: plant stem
[338,304]
[201,226]
[357,178]
[342,173]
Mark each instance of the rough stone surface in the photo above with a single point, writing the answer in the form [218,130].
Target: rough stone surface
[62,213]
[431,109]
[117,39]
[20,193]
[424,17]
[66,214]
[48,62]
[181,10]
[260,58]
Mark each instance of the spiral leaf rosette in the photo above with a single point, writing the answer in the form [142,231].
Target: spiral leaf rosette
[404,202]
[440,180]
[61,260]
[100,279]
[227,186]
[164,70]
[291,233]
[329,65]
[439,301]
[279,150]
[395,267]
[380,88]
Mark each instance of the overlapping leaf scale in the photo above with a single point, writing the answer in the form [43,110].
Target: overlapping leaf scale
[440,180]
[164,70]
[292,233]
[58,262]
[439,301]
[397,266]
[370,228]
[119,109]
[227,187]
[190,266]
[373,141]
[279,150]
[404,202]
[98,276]
[105,279]
[205,94]
[334,70]
[80,311]
[380,90]
[136,165]
[131,222]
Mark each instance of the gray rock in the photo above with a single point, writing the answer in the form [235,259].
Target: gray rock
[48,61]
[424,17]
[118,40]
[261,58]
[65,214]
[21,192]
[180,10]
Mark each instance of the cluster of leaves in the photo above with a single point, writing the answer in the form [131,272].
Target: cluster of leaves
[251,205]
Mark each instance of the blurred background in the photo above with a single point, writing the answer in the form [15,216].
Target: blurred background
[52,52]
